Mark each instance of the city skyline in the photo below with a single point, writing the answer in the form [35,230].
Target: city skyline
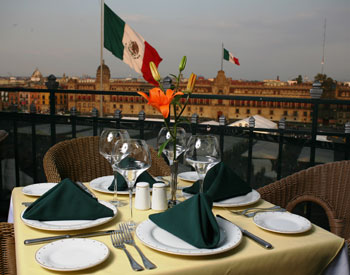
[270,38]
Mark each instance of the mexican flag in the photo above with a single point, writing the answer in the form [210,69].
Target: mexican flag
[230,57]
[128,45]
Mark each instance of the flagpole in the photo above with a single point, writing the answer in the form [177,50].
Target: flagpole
[222,56]
[101,58]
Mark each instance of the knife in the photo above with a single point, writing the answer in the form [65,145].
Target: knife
[251,235]
[67,236]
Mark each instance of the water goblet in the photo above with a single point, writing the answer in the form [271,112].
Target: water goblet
[131,158]
[108,138]
[203,152]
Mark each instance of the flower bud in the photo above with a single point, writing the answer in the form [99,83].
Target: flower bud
[183,63]
[154,71]
[191,82]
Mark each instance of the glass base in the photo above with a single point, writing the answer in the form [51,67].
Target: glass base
[118,203]
[172,203]
[131,225]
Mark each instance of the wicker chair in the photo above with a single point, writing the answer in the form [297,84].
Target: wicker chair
[79,159]
[7,249]
[327,185]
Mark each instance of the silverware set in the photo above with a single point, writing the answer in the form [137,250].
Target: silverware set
[124,235]
[251,212]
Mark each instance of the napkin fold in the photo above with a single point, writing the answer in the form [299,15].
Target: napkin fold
[192,221]
[122,185]
[66,201]
[221,183]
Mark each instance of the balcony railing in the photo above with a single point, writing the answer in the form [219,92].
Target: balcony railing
[258,155]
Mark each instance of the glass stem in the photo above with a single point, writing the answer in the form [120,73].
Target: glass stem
[115,195]
[201,186]
[130,199]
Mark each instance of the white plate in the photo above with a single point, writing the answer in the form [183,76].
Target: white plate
[191,176]
[159,239]
[37,189]
[72,254]
[247,199]
[70,224]
[282,222]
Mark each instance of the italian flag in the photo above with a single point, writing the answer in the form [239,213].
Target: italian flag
[230,57]
[128,45]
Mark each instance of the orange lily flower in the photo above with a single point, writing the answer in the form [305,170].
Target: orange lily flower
[159,100]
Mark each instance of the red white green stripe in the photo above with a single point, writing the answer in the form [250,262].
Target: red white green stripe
[230,57]
[128,45]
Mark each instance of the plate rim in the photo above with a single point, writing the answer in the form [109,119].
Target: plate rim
[73,227]
[31,185]
[219,204]
[201,251]
[309,225]
[186,172]
[70,240]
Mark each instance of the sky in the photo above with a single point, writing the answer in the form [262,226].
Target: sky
[269,37]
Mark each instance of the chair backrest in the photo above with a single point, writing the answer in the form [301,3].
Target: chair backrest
[7,249]
[327,185]
[79,159]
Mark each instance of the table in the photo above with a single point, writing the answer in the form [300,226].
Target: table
[306,253]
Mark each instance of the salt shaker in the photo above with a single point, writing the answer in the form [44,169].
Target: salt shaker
[142,196]
[159,197]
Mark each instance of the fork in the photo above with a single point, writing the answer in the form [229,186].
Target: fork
[129,239]
[117,242]
[252,214]
[243,212]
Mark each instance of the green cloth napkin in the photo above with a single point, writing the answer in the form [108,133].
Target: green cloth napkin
[192,221]
[221,183]
[66,201]
[122,184]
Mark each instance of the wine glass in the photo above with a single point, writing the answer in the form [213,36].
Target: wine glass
[131,158]
[203,152]
[108,138]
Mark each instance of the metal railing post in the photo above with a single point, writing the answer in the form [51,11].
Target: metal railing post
[222,123]
[52,85]
[118,116]
[316,93]
[250,148]
[281,128]
[73,119]
[194,123]
[347,140]
[94,113]
[142,117]
[33,114]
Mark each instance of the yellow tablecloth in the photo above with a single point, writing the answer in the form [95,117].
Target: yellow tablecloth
[306,253]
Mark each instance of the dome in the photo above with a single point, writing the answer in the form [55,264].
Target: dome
[105,71]
[36,75]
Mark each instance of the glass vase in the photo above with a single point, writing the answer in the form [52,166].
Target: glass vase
[173,183]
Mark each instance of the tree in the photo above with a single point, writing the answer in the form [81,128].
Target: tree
[328,85]
[299,79]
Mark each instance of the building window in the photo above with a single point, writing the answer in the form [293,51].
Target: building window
[201,109]
[259,112]
[248,111]
[295,113]
[305,113]
[271,112]
[114,106]
[142,107]
[189,108]
[285,113]
[121,106]
[237,111]
[132,107]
